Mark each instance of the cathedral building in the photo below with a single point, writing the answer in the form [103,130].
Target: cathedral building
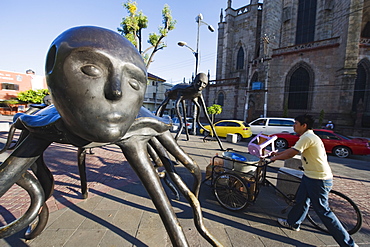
[282,58]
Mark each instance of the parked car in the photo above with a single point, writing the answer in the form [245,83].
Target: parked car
[176,123]
[224,127]
[271,125]
[335,143]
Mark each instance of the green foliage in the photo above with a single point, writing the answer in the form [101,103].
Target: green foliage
[214,110]
[285,113]
[321,117]
[136,21]
[132,25]
[32,96]
[11,102]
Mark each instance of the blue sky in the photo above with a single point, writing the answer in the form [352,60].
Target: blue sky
[28,28]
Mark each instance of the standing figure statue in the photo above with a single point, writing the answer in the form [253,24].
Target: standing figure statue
[97,80]
[180,93]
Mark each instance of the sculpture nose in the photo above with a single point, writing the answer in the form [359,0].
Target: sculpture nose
[113,89]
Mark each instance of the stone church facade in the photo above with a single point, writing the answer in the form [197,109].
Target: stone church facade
[283,58]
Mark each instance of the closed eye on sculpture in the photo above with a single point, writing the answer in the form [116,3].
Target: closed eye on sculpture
[135,76]
[134,84]
[90,62]
[91,70]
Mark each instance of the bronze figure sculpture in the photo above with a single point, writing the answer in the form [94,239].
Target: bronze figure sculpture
[193,92]
[97,81]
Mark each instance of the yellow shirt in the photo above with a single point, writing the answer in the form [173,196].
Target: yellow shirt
[313,156]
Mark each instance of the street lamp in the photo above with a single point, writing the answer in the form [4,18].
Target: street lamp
[199,20]
[182,44]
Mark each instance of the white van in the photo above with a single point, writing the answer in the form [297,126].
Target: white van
[272,125]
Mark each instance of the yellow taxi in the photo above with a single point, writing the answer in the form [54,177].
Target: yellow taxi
[224,127]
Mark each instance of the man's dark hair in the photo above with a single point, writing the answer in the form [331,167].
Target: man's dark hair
[306,119]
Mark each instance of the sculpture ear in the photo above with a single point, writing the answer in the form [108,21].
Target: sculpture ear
[50,59]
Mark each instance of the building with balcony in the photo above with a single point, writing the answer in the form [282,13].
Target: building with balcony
[155,94]
[284,58]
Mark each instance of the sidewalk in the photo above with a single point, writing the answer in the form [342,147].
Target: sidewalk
[118,211]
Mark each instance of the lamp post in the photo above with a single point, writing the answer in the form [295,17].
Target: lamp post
[199,21]
[195,53]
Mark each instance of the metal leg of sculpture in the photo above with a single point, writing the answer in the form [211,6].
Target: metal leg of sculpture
[177,108]
[46,180]
[36,227]
[185,122]
[9,139]
[154,156]
[141,164]
[20,160]
[167,141]
[162,107]
[44,175]
[15,167]
[190,196]
[22,136]
[81,157]
[36,193]
[158,163]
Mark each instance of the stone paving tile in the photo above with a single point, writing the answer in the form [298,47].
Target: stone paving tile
[55,238]
[68,220]
[154,237]
[89,237]
[105,216]
[112,239]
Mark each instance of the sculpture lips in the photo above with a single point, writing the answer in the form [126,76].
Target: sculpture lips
[114,118]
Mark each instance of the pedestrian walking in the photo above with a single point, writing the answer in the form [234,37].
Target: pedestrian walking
[316,182]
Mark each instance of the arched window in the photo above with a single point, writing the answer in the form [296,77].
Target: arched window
[240,59]
[299,89]
[254,77]
[306,21]
[220,99]
[366,31]
[360,86]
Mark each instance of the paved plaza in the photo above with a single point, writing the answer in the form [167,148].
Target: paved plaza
[118,211]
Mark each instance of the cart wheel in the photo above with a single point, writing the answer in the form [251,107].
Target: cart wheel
[231,191]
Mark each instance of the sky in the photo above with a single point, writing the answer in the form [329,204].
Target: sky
[29,27]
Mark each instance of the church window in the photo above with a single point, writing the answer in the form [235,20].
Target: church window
[366,32]
[306,21]
[220,99]
[240,59]
[360,87]
[299,89]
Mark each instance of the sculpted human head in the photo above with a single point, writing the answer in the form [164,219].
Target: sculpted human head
[200,81]
[97,80]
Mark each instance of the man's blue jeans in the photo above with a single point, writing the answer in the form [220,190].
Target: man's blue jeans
[316,191]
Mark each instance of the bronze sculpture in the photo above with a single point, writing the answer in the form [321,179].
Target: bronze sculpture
[97,81]
[193,92]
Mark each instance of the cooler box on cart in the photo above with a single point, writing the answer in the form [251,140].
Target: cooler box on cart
[240,161]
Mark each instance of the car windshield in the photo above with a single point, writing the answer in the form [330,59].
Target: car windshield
[343,136]
[245,124]
[259,122]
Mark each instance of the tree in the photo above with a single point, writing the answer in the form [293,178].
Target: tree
[321,118]
[214,110]
[136,21]
[32,96]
